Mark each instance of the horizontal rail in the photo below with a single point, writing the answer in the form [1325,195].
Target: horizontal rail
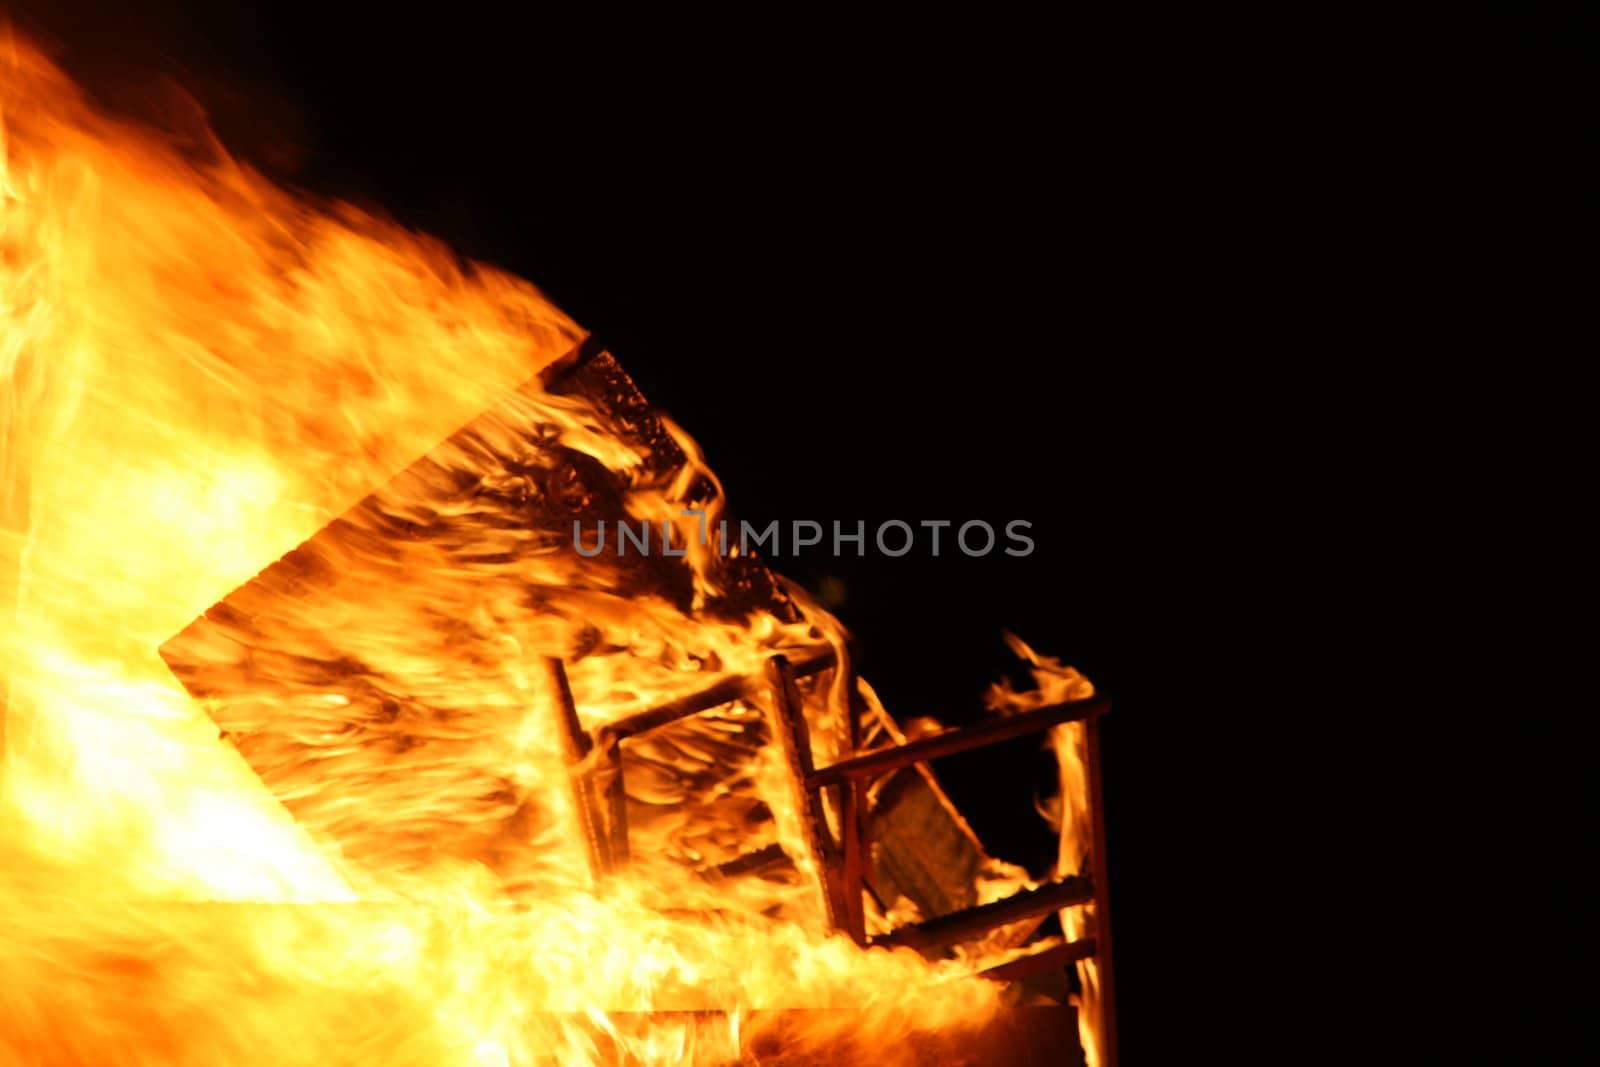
[762,859]
[1034,963]
[723,691]
[968,923]
[952,742]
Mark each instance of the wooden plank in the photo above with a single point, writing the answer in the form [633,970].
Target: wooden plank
[1031,1036]
[575,747]
[972,922]
[920,850]
[793,738]
[1053,958]
[853,861]
[1104,961]
[954,742]
[724,690]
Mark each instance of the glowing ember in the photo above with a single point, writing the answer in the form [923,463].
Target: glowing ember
[382,861]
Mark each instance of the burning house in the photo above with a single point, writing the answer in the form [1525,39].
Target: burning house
[325,739]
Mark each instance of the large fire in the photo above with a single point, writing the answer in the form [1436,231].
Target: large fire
[203,371]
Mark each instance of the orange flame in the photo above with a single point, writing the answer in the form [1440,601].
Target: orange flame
[1055,683]
[200,371]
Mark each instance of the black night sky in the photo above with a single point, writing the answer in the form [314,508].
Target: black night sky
[963,278]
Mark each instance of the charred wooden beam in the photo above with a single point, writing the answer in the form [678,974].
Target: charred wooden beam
[968,923]
[762,859]
[1102,895]
[952,742]
[793,737]
[853,809]
[575,746]
[1054,958]
[1030,1036]
[724,690]
[853,860]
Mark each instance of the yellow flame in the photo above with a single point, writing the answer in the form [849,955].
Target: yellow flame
[1056,683]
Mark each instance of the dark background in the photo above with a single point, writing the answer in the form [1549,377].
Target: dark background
[1156,312]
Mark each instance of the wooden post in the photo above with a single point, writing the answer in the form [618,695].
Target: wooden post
[972,922]
[1102,894]
[852,804]
[853,815]
[952,742]
[575,747]
[789,730]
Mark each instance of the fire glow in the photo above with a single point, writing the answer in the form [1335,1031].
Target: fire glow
[203,372]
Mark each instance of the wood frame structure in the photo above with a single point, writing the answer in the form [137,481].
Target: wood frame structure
[840,858]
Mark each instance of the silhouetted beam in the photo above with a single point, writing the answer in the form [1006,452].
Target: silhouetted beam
[793,737]
[762,859]
[968,923]
[952,742]
[723,691]
[1053,958]
[575,745]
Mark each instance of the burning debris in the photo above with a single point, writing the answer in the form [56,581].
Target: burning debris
[500,801]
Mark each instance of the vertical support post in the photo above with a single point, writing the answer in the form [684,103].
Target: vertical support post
[1102,894]
[794,742]
[616,797]
[853,815]
[852,806]
[575,747]
[854,704]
